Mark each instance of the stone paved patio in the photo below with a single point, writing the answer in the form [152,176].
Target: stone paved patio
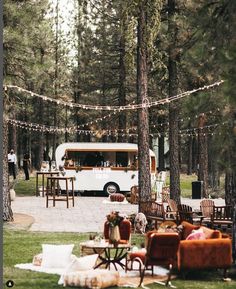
[88,214]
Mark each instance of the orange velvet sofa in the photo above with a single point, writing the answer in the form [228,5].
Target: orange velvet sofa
[213,252]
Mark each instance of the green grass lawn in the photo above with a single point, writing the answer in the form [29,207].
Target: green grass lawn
[20,246]
[185,184]
[27,188]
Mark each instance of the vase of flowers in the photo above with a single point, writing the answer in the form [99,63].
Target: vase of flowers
[114,220]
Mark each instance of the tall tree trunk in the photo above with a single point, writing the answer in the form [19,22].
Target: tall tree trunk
[230,187]
[122,80]
[203,155]
[161,153]
[66,125]
[56,81]
[161,145]
[40,143]
[7,211]
[77,81]
[143,118]
[230,199]
[12,142]
[190,155]
[213,170]
[194,155]
[174,107]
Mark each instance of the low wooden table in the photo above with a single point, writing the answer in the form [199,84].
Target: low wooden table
[52,190]
[43,174]
[108,254]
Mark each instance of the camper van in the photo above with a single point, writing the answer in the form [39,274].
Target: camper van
[108,167]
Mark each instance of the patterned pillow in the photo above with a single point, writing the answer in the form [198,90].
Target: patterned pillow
[169,228]
[208,232]
[94,279]
[37,259]
[196,235]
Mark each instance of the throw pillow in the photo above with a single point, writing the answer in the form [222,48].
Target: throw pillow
[208,232]
[79,264]
[56,256]
[196,235]
[94,279]
[37,259]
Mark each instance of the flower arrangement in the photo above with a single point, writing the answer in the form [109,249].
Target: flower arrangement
[114,219]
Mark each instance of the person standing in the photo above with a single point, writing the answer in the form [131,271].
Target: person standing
[26,165]
[12,163]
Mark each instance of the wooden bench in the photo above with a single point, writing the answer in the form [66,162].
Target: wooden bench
[153,211]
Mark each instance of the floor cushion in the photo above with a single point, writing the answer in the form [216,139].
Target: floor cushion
[94,279]
[79,264]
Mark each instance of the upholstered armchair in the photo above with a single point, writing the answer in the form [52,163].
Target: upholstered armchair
[161,249]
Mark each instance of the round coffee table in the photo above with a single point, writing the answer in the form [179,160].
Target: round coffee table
[108,254]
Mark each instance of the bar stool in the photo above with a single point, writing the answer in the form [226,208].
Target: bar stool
[53,191]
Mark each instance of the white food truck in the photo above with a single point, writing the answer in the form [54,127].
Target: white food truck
[108,167]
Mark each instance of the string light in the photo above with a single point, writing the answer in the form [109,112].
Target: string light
[145,104]
[116,132]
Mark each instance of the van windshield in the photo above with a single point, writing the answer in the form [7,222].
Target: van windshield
[73,158]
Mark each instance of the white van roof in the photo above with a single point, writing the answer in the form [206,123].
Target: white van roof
[97,146]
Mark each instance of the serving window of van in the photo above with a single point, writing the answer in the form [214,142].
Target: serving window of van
[105,158]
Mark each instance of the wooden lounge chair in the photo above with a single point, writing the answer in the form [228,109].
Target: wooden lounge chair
[206,207]
[172,209]
[185,213]
[221,219]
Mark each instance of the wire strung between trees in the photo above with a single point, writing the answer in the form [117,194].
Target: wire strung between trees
[115,132]
[146,104]
[47,128]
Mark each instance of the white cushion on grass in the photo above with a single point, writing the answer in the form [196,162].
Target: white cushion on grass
[79,264]
[56,256]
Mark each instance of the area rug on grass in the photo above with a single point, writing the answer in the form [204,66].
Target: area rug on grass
[129,278]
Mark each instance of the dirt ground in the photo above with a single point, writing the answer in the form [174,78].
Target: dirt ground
[21,222]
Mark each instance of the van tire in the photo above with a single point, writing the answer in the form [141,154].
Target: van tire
[111,188]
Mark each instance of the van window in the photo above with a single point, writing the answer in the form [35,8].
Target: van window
[122,159]
[99,158]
